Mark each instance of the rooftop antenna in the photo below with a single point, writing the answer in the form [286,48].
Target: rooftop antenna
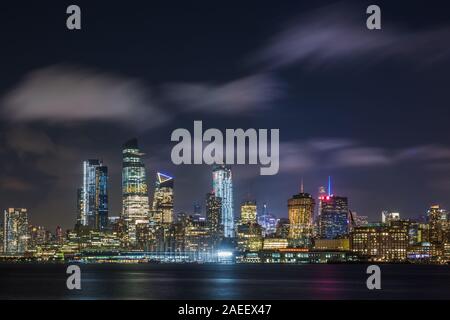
[301,186]
[329,186]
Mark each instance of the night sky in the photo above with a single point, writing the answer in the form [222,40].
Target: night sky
[369,108]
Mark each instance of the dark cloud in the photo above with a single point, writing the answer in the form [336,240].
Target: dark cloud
[15,184]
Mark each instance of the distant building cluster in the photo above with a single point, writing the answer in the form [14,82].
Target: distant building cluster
[319,229]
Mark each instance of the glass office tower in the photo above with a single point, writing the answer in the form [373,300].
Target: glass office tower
[135,205]
[223,188]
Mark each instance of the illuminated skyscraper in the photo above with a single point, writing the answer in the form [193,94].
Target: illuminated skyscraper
[267,221]
[333,219]
[248,212]
[101,200]
[223,188]
[135,205]
[163,199]
[322,193]
[93,195]
[301,215]
[15,231]
[214,215]
[439,225]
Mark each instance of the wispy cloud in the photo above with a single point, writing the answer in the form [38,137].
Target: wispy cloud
[233,97]
[61,94]
[337,32]
[323,153]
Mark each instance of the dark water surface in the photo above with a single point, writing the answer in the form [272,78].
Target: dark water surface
[189,281]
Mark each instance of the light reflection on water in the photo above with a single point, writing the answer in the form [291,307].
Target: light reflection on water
[159,281]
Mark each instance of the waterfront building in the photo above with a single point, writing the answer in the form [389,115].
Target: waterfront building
[332,244]
[275,243]
[380,243]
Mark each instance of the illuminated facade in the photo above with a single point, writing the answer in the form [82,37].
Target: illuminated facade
[223,188]
[380,243]
[162,211]
[267,221]
[439,225]
[196,236]
[249,236]
[275,243]
[93,196]
[301,215]
[333,219]
[248,212]
[15,232]
[135,204]
[332,244]
[214,216]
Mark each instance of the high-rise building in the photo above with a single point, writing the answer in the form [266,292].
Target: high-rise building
[223,188]
[162,212]
[439,225]
[301,216]
[333,220]
[15,232]
[214,215]
[135,204]
[248,212]
[267,221]
[322,194]
[93,195]
[101,195]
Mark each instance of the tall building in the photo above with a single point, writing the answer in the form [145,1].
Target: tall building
[267,221]
[214,215]
[135,204]
[101,195]
[248,212]
[439,225]
[322,193]
[223,188]
[93,195]
[162,211]
[301,216]
[333,220]
[15,232]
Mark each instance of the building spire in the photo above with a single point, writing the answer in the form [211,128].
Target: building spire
[301,186]
[329,186]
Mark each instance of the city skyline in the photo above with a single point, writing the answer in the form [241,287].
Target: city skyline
[323,194]
[368,108]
